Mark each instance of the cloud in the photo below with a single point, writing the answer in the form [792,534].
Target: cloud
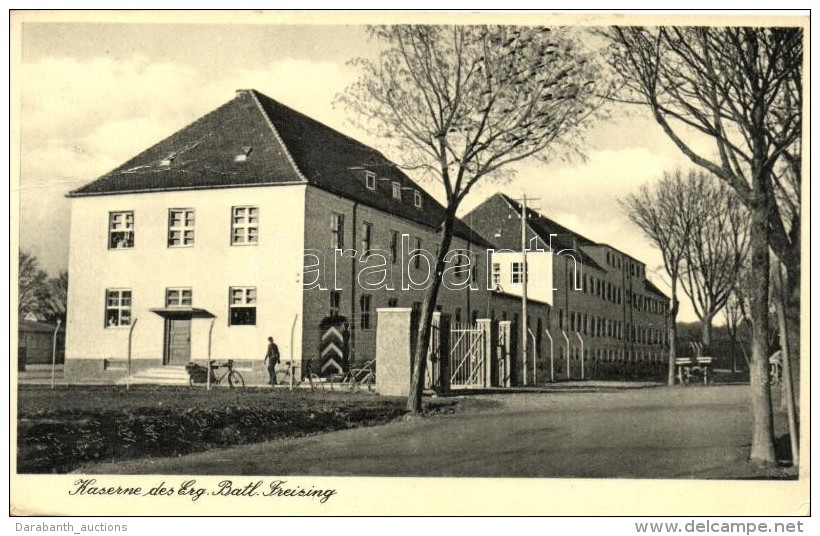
[82,118]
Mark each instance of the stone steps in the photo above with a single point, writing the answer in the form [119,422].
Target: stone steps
[169,375]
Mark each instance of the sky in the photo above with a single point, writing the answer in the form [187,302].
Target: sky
[93,95]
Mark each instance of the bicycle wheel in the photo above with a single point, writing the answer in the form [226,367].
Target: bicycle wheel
[235,379]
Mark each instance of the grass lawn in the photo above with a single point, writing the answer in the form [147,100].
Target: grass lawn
[63,428]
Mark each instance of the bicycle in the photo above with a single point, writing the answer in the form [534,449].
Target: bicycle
[358,377]
[312,379]
[197,374]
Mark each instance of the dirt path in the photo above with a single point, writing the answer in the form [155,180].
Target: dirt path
[678,432]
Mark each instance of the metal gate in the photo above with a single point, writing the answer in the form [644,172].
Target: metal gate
[467,360]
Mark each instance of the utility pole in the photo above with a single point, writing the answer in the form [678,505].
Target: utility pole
[524,287]
[525,279]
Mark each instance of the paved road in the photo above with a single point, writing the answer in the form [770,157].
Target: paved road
[694,432]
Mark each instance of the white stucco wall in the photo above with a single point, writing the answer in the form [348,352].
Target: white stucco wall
[539,266]
[210,267]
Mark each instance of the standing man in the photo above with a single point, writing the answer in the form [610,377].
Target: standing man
[272,357]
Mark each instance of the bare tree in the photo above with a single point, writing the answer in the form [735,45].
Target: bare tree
[739,88]
[733,315]
[462,103]
[666,212]
[715,250]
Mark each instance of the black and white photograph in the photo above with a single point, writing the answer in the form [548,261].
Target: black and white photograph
[315,263]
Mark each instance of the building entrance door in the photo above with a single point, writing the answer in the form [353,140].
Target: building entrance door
[177,341]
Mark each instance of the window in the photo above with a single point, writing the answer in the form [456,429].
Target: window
[370,180]
[242,303]
[335,303]
[496,274]
[178,297]
[393,302]
[417,259]
[367,231]
[117,308]
[120,230]
[394,246]
[337,231]
[245,226]
[417,198]
[364,319]
[517,272]
[397,191]
[180,227]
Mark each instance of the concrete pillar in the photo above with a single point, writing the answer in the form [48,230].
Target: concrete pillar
[394,351]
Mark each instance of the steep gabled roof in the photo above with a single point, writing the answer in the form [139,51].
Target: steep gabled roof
[281,146]
[650,287]
[564,239]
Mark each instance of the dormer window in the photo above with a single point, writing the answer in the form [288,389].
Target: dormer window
[243,156]
[417,198]
[370,180]
[397,191]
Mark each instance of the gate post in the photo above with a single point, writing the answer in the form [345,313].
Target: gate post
[438,354]
[489,334]
[394,357]
[505,334]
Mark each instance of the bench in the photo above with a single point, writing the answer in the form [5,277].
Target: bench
[686,366]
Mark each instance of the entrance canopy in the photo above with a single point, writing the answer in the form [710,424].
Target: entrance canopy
[182,312]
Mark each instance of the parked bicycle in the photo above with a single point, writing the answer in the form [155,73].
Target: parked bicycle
[198,374]
[361,377]
[285,377]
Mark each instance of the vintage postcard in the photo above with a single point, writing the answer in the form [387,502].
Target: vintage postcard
[351,263]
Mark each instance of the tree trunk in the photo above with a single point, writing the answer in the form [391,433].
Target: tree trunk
[786,386]
[673,332]
[706,333]
[428,306]
[762,451]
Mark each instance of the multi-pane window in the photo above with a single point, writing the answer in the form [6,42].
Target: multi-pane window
[335,303]
[397,191]
[370,180]
[417,198]
[393,302]
[517,272]
[417,260]
[178,297]
[245,225]
[394,246]
[364,317]
[496,274]
[180,227]
[242,303]
[337,231]
[367,231]
[117,307]
[121,230]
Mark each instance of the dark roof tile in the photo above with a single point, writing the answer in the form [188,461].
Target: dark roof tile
[285,147]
